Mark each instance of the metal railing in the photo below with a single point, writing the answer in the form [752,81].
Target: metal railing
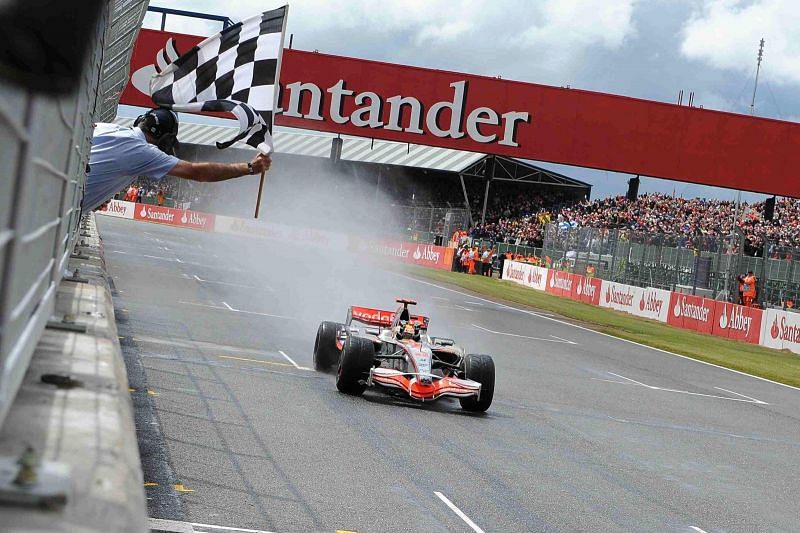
[707,265]
[44,150]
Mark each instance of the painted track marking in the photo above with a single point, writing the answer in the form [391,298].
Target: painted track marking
[232,310]
[201,280]
[629,381]
[190,527]
[459,512]
[292,361]
[698,529]
[620,339]
[259,361]
[554,339]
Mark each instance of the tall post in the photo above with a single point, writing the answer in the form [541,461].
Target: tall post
[488,174]
[466,200]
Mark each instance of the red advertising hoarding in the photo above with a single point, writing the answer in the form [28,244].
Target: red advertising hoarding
[586,290]
[426,255]
[560,283]
[737,322]
[691,312]
[174,217]
[490,115]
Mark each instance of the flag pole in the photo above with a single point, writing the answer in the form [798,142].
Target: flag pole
[260,190]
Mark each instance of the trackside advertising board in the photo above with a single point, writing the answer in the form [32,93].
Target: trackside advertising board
[490,115]
[691,312]
[426,255]
[174,217]
[639,301]
[525,274]
[586,290]
[781,330]
[118,208]
[560,283]
[737,322]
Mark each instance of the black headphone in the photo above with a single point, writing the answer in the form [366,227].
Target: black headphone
[167,142]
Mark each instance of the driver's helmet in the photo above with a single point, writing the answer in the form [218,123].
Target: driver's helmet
[406,330]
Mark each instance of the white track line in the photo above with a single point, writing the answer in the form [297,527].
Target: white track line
[228,306]
[556,339]
[298,367]
[546,317]
[698,529]
[742,395]
[201,280]
[174,525]
[459,512]
[745,399]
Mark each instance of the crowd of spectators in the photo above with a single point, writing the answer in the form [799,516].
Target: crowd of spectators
[688,222]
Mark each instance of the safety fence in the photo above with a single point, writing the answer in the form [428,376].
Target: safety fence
[45,139]
[773,328]
[703,265]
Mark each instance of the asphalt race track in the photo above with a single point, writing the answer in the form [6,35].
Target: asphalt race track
[586,433]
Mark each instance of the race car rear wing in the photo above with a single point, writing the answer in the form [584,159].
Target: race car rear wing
[380,317]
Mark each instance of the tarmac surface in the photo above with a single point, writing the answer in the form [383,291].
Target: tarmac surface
[586,432]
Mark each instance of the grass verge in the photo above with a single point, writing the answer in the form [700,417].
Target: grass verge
[782,366]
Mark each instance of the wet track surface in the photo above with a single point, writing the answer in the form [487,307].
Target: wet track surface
[586,432]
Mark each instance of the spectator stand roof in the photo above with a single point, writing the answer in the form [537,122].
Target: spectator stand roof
[370,151]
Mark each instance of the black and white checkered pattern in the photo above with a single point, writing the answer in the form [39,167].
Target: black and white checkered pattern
[234,70]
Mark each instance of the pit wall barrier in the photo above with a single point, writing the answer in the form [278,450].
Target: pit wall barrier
[772,328]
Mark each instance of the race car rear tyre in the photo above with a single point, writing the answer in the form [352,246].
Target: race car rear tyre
[357,358]
[326,354]
[480,368]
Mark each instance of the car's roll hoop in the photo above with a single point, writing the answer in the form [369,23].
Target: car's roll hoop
[406,302]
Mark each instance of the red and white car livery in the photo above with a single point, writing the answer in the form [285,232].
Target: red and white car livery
[392,350]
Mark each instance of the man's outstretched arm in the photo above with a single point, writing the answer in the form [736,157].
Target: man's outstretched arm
[210,172]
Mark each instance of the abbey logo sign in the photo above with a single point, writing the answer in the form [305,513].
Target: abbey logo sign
[737,322]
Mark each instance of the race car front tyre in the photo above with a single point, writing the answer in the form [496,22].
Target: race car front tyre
[326,354]
[480,368]
[357,358]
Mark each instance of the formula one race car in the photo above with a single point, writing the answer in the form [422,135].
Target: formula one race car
[393,350]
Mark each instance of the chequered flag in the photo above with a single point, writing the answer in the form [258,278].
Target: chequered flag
[235,70]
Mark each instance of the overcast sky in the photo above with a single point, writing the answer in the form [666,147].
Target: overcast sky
[642,48]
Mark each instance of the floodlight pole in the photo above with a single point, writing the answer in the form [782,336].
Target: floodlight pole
[758,70]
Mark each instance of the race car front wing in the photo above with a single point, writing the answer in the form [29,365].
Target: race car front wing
[432,388]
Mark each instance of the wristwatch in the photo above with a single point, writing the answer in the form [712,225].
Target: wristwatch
[250,169]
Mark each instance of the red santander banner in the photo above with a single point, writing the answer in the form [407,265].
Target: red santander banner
[691,312]
[560,283]
[495,116]
[426,255]
[174,217]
